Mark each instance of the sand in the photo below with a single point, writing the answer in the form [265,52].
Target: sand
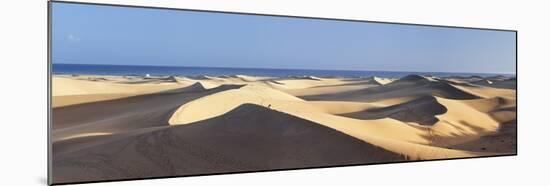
[114,127]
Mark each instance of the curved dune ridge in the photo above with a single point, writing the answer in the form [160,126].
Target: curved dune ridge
[201,109]
[175,125]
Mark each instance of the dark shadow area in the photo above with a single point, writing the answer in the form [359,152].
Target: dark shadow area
[503,141]
[422,111]
[505,109]
[156,103]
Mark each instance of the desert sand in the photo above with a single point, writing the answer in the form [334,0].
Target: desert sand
[124,127]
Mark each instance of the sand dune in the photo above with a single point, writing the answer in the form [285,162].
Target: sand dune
[381,81]
[488,92]
[493,81]
[69,91]
[249,137]
[450,126]
[309,87]
[422,111]
[412,85]
[307,82]
[109,127]
[252,78]
[122,114]
[201,109]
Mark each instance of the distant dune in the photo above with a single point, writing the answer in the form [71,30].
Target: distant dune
[69,91]
[412,85]
[112,127]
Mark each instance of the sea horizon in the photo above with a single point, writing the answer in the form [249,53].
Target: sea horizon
[153,70]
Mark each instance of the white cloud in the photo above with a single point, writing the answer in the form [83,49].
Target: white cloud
[73,38]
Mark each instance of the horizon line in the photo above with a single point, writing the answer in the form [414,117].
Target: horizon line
[507,73]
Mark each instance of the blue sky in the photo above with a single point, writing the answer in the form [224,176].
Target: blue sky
[91,34]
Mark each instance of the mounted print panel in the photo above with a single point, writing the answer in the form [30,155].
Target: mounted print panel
[141,92]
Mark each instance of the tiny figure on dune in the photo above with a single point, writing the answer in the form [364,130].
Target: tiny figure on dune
[269,106]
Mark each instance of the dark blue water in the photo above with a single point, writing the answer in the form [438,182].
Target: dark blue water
[121,70]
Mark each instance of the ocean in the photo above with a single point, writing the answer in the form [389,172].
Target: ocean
[134,70]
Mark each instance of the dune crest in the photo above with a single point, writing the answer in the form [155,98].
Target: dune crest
[381,81]
[202,108]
